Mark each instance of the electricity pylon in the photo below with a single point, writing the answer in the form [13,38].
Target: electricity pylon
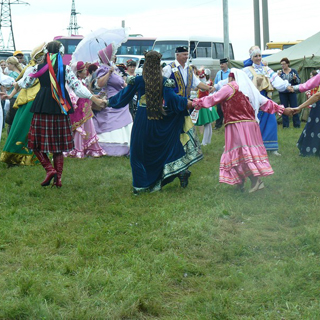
[6,22]
[73,25]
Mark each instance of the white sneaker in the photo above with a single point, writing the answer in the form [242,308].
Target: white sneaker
[276,153]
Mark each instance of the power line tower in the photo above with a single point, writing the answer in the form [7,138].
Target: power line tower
[73,25]
[6,22]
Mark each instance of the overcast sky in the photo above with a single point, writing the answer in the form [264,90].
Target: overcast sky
[44,19]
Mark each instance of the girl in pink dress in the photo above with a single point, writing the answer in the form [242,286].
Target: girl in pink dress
[244,155]
[84,133]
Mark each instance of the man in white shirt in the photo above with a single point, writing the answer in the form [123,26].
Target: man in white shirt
[183,75]
[185,79]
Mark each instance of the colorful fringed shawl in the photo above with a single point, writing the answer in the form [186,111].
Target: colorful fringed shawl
[57,82]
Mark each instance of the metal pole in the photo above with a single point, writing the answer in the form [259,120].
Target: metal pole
[123,23]
[265,22]
[256,15]
[226,29]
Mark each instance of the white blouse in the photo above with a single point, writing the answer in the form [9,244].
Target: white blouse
[70,78]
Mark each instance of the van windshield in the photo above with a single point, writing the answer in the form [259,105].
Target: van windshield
[135,46]
[69,45]
[168,48]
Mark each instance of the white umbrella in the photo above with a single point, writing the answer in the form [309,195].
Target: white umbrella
[88,47]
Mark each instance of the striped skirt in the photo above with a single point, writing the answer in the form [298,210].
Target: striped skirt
[50,133]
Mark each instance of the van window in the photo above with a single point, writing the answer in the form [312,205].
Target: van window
[193,52]
[204,50]
[135,46]
[69,45]
[220,50]
[231,54]
[168,48]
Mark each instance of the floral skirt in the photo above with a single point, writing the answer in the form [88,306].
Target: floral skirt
[85,142]
[244,154]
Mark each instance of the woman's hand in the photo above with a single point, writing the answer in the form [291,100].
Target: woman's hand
[212,90]
[295,110]
[290,89]
[98,101]
[288,111]
[4,96]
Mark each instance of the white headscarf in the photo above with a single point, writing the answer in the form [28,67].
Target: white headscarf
[248,89]
[6,81]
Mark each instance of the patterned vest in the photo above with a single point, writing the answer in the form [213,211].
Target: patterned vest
[237,108]
[181,89]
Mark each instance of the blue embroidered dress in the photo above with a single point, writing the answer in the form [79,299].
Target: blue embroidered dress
[156,152]
[268,122]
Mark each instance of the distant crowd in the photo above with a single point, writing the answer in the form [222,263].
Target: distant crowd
[101,108]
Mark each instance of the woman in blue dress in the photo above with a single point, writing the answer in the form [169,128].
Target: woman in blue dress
[157,155]
[309,141]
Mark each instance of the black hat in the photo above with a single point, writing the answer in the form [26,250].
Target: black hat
[182,49]
[224,60]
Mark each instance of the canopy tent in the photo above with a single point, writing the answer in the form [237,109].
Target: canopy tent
[304,57]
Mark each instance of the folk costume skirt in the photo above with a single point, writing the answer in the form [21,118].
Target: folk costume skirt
[309,141]
[15,151]
[244,154]
[50,133]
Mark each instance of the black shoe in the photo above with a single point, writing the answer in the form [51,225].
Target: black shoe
[183,177]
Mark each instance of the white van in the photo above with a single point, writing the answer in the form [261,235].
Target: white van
[204,51]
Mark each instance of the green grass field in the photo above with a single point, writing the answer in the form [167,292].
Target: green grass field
[93,250]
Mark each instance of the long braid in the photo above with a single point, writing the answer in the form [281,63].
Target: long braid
[152,76]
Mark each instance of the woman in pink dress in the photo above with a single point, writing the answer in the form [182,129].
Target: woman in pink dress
[244,155]
[84,133]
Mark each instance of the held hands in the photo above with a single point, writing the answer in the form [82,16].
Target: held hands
[194,104]
[4,96]
[212,89]
[290,89]
[295,110]
[289,111]
[99,102]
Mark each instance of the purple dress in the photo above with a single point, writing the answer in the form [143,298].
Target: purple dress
[113,126]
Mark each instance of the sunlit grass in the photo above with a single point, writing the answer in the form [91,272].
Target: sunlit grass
[93,250]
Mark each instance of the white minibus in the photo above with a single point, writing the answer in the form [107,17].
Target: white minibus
[204,51]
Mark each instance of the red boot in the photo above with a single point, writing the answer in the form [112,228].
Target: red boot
[58,165]
[45,162]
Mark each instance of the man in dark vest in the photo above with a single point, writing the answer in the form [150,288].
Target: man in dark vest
[185,79]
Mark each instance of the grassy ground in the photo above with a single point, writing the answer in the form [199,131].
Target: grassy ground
[93,250]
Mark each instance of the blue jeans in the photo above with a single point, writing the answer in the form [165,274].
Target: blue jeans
[289,99]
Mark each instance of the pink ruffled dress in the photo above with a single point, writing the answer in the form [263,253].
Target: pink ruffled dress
[84,133]
[244,153]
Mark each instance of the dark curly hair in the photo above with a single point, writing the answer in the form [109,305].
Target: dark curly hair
[286,60]
[53,47]
[152,76]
